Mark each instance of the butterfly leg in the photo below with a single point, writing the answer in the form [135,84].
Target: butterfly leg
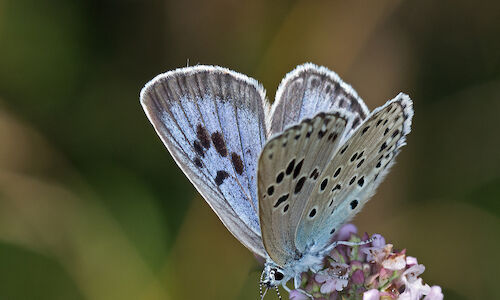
[336,243]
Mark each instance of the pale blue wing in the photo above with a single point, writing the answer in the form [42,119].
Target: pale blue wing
[354,173]
[212,120]
[309,90]
[289,167]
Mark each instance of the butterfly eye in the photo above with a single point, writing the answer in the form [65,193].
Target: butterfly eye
[278,275]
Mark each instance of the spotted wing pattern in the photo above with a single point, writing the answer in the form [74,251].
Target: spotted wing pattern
[309,90]
[212,120]
[289,166]
[354,173]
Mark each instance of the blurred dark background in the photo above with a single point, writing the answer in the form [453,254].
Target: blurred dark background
[92,206]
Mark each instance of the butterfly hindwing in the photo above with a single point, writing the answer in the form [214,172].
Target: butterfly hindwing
[212,121]
[309,90]
[289,166]
[354,173]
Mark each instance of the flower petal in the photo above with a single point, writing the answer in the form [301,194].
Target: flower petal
[412,273]
[372,294]
[328,286]
[410,260]
[378,241]
[435,293]
[321,277]
[346,231]
[358,277]
[396,261]
[415,290]
[340,284]
[297,295]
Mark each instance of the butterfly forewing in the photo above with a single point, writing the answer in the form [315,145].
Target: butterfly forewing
[289,167]
[354,173]
[212,121]
[309,90]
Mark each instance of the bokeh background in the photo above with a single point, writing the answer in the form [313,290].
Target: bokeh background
[92,206]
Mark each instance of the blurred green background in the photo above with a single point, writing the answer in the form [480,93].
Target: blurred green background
[92,206]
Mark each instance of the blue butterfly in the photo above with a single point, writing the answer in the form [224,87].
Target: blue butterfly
[284,178]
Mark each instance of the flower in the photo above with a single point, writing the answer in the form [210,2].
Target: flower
[372,271]
[332,278]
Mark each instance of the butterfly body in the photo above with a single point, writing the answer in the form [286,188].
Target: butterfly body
[282,179]
[293,269]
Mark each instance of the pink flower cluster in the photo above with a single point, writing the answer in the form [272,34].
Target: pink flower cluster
[373,271]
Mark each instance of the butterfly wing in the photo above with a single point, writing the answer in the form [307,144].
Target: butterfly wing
[289,166]
[309,90]
[354,173]
[212,120]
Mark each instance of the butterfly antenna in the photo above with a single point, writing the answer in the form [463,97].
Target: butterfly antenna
[277,292]
[260,286]
[262,295]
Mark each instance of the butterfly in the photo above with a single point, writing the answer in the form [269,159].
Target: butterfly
[282,178]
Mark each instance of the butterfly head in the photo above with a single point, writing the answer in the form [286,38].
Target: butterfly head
[272,275]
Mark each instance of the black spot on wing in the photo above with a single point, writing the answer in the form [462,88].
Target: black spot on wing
[203,136]
[332,137]
[314,174]
[344,149]
[297,169]
[219,143]
[324,183]
[220,177]
[290,166]
[360,163]
[198,148]
[281,200]
[237,163]
[299,185]
[280,176]
[384,145]
[270,190]
[321,133]
[197,162]
[353,204]
[337,172]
